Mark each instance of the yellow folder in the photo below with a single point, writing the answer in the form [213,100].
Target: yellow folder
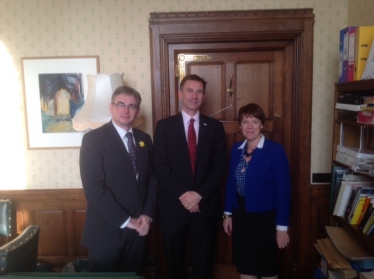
[364,39]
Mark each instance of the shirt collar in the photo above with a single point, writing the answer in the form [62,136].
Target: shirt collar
[259,145]
[187,118]
[122,132]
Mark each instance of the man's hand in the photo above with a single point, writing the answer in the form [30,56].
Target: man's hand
[195,209]
[190,200]
[144,223]
[133,224]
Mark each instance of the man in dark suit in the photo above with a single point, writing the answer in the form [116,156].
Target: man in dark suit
[116,171]
[190,159]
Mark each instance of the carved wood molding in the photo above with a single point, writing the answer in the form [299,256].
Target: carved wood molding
[232,14]
[44,195]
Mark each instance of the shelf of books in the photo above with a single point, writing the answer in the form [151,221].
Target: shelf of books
[349,249]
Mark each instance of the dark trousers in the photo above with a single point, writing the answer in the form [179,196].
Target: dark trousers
[201,236]
[127,256]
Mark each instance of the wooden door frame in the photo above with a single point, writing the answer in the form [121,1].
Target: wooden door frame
[295,25]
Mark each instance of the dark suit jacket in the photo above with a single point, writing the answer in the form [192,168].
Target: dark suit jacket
[173,168]
[113,194]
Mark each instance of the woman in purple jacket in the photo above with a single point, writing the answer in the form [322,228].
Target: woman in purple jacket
[257,203]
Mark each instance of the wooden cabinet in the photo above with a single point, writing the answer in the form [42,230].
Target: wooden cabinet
[350,133]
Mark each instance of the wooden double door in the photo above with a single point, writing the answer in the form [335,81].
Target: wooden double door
[250,65]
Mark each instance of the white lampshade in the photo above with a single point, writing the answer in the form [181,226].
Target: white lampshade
[95,111]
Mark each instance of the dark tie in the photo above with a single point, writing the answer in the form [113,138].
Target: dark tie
[192,144]
[132,150]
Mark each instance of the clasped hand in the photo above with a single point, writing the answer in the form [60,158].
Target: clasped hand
[190,200]
[141,224]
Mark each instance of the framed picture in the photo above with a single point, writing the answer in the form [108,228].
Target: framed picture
[55,89]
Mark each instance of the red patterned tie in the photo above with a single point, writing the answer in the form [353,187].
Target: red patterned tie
[192,144]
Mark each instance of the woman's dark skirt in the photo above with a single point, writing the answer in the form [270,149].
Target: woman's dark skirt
[253,241]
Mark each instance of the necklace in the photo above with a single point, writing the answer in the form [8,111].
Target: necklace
[247,155]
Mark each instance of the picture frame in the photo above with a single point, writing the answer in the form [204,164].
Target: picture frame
[54,89]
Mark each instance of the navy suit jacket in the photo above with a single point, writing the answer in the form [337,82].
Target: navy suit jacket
[109,181]
[267,181]
[173,168]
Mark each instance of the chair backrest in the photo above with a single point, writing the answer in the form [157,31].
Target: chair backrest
[5,218]
[20,254]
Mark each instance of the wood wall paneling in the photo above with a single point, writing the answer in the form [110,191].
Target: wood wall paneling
[60,215]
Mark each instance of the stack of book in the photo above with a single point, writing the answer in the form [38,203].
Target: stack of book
[356,205]
[352,198]
[356,107]
[345,258]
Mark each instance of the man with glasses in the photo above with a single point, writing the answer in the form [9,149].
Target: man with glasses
[116,172]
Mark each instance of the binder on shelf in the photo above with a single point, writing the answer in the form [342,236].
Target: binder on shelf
[344,35]
[369,66]
[351,54]
[364,38]
[341,51]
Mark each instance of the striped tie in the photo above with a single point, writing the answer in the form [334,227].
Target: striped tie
[132,150]
[192,144]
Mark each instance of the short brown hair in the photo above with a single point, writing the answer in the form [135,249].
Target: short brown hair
[127,90]
[253,110]
[193,77]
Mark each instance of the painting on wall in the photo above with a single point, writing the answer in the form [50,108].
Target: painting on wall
[55,89]
[61,96]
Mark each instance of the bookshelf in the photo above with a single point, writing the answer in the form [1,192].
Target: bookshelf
[352,134]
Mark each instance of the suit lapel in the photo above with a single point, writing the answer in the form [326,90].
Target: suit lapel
[180,134]
[203,132]
[116,140]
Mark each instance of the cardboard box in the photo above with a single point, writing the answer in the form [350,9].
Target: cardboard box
[365,116]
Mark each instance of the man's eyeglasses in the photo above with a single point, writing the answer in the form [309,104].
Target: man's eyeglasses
[122,106]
